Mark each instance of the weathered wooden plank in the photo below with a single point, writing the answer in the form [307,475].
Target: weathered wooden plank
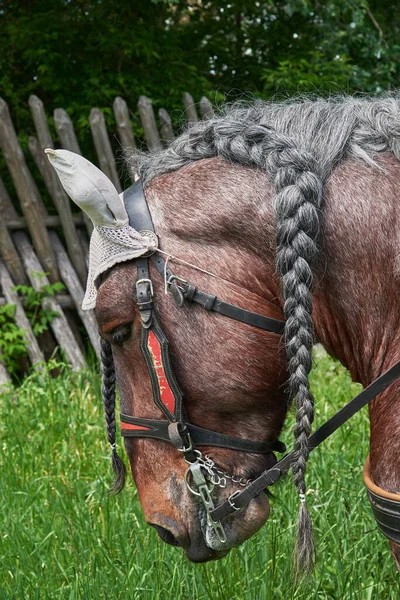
[148,120]
[63,205]
[34,352]
[190,108]
[27,191]
[206,108]
[7,209]
[30,261]
[7,248]
[4,376]
[76,290]
[85,246]
[167,133]
[40,121]
[88,223]
[64,300]
[10,255]
[66,131]
[59,325]
[50,221]
[103,146]
[124,127]
[54,187]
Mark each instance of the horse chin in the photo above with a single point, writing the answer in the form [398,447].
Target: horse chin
[238,527]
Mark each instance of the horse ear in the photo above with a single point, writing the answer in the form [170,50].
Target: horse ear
[113,240]
[89,188]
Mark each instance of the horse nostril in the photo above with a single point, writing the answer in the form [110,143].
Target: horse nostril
[166,536]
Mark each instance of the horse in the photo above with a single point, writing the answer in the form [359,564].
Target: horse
[285,210]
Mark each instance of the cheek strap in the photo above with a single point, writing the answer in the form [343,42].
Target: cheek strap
[385,506]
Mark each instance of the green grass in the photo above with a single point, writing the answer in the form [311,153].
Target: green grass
[62,537]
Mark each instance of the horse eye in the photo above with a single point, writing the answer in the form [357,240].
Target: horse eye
[121,334]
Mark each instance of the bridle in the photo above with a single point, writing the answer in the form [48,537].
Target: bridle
[175,428]
[202,474]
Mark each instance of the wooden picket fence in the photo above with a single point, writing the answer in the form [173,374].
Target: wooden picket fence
[29,242]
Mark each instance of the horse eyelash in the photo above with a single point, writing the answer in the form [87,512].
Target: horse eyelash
[121,334]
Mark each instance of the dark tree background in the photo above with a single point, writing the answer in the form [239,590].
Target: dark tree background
[80,53]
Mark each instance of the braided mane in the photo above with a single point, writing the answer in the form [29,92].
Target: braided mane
[331,129]
[298,144]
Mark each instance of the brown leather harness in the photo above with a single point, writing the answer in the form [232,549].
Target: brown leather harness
[202,475]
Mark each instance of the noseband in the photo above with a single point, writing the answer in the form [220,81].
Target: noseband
[202,475]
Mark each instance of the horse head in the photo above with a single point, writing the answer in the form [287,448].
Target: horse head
[227,219]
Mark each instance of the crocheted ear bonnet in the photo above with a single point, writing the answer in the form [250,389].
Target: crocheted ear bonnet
[113,240]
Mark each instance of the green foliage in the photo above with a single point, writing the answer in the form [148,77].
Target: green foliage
[63,538]
[309,74]
[78,54]
[40,317]
[12,339]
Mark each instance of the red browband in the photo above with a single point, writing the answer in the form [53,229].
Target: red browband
[166,394]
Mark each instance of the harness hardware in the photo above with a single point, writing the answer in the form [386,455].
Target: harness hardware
[149,282]
[187,449]
[173,278]
[231,498]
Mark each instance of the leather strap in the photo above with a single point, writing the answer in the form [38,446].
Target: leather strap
[167,394]
[387,515]
[137,207]
[264,480]
[369,484]
[159,429]
[385,506]
[140,218]
[211,302]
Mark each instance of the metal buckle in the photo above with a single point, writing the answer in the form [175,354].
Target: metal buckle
[189,448]
[231,497]
[139,281]
[172,278]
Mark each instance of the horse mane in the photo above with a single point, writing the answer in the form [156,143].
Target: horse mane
[298,143]
[352,127]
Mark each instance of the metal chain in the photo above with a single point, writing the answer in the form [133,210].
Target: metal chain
[217,476]
[215,473]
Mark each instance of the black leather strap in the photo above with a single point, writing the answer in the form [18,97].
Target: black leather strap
[158,429]
[144,292]
[211,302]
[264,480]
[140,218]
[137,207]
[387,514]
[166,366]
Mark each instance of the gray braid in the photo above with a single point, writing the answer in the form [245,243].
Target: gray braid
[298,200]
[108,394]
